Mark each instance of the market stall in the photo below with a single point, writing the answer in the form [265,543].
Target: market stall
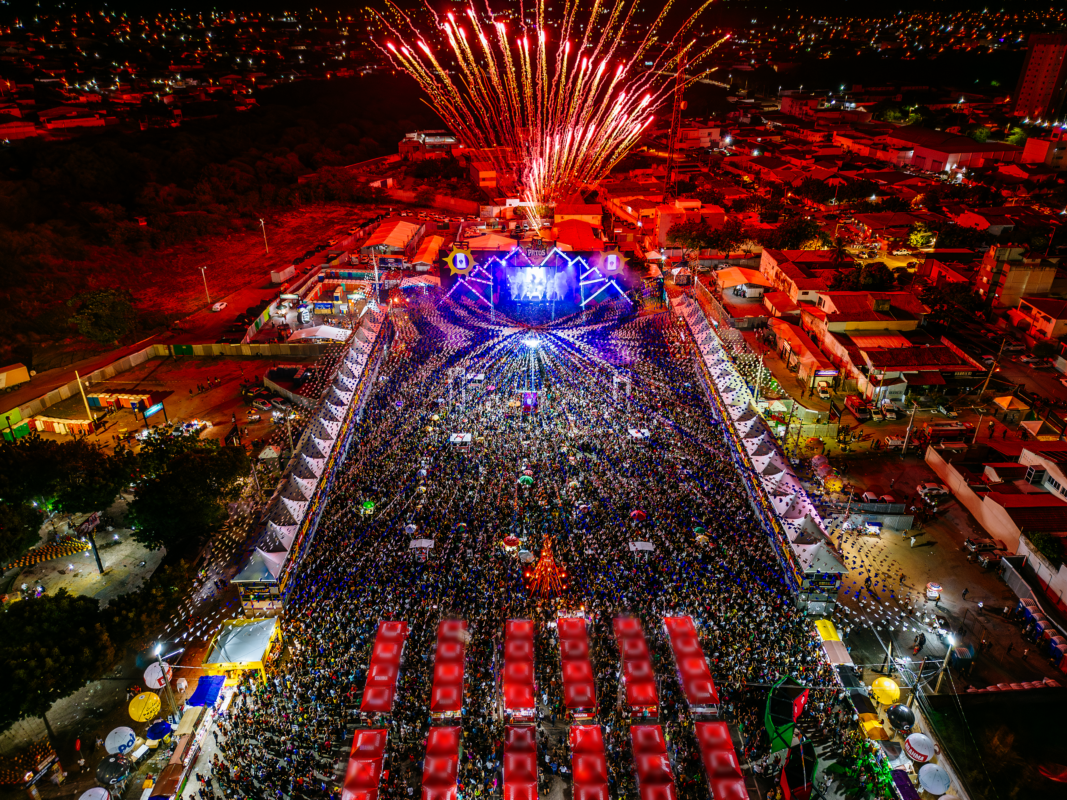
[655,781]
[520,763]
[693,673]
[589,766]
[380,689]
[365,760]
[520,696]
[721,766]
[440,770]
[446,698]
[638,676]
[579,686]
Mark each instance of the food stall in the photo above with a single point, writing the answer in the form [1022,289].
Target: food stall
[242,644]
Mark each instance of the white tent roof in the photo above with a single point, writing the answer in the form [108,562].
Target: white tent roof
[242,644]
[321,332]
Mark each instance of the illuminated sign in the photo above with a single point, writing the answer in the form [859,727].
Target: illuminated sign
[460,262]
[153,410]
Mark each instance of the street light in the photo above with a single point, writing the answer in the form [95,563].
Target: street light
[203,274]
[263,225]
[944,664]
[166,681]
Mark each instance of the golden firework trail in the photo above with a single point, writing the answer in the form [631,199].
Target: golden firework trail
[556,110]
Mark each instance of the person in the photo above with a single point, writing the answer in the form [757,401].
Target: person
[965,592]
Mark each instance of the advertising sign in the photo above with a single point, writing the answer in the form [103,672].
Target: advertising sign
[153,410]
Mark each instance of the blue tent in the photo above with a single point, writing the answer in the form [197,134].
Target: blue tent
[207,690]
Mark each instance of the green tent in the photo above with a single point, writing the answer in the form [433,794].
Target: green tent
[784,704]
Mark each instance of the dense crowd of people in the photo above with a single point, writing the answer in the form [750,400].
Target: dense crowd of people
[592,471]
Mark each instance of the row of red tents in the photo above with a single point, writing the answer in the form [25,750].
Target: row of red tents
[520,699]
[380,690]
[720,761]
[520,762]
[365,765]
[579,686]
[446,697]
[693,672]
[637,672]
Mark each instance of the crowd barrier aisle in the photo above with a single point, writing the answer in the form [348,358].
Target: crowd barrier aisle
[813,571]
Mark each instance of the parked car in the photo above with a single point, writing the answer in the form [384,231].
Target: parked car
[1014,347]
[948,411]
[279,402]
[991,558]
[1063,381]
[989,358]
[980,545]
[1031,360]
[219,306]
[889,410]
[876,414]
[901,251]
[888,498]
[925,489]
[261,404]
[893,443]
[869,497]
[823,390]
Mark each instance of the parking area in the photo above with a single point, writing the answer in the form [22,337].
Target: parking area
[206,390]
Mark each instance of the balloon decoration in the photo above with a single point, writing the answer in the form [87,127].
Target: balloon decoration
[96,793]
[120,740]
[144,706]
[113,769]
[885,691]
[901,717]
[934,779]
[156,677]
[157,730]
[919,748]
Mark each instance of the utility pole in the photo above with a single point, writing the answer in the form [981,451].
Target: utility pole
[263,225]
[944,664]
[84,398]
[203,274]
[992,369]
[911,421]
[676,119]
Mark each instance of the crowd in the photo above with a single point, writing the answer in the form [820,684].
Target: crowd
[590,473]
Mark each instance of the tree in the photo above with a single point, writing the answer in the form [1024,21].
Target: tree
[181,505]
[921,234]
[20,526]
[953,302]
[425,195]
[875,277]
[792,234]
[90,477]
[1047,545]
[144,612]
[693,234]
[980,133]
[105,315]
[49,647]
[1016,136]
[30,469]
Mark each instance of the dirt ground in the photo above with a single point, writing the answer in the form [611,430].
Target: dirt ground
[169,281]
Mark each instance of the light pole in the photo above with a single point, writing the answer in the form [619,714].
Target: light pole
[263,225]
[166,681]
[944,664]
[203,274]
[904,448]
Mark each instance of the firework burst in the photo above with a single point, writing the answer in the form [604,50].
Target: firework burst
[552,112]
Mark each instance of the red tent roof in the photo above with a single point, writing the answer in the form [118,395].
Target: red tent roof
[579,686]
[520,763]
[441,768]
[588,765]
[446,697]
[654,778]
[380,689]
[693,672]
[519,692]
[720,761]
[364,765]
[636,666]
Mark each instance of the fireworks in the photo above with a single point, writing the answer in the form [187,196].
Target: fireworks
[551,114]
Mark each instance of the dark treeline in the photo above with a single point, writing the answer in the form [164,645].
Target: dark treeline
[69,210]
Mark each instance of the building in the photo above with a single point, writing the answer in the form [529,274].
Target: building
[685,210]
[1043,317]
[591,213]
[1050,150]
[1043,83]
[394,237]
[801,274]
[483,174]
[1009,487]
[418,145]
[800,105]
[1007,274]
